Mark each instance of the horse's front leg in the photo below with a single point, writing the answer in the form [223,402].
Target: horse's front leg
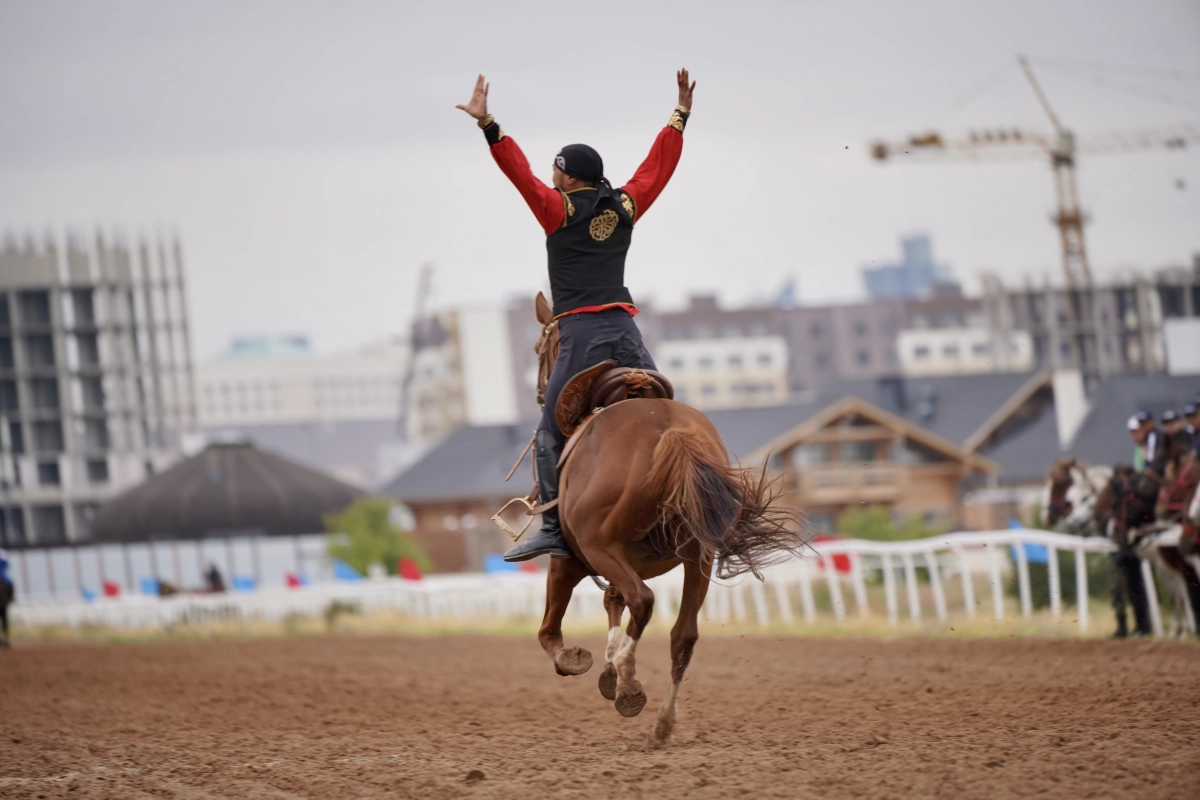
[697,569]
[614,604]
[561,579]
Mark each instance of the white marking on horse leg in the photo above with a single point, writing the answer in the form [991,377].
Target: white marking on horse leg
[614,641]
[666,714]
[624,659]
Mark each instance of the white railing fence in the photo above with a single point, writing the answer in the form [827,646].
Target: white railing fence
[950,570]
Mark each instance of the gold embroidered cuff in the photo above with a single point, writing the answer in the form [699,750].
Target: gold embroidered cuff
[678,120]
[485,122]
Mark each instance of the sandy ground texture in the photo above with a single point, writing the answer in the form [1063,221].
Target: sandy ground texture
[350,717]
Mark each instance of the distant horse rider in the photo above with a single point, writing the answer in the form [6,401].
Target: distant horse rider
[588,226]
[8,592]
[1132,506]
[1191,415]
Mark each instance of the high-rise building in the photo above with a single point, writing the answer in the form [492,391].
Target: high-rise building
[915,276]
[95,377]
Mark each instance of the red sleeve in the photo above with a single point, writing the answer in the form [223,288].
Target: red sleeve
[545,203]
[651,177]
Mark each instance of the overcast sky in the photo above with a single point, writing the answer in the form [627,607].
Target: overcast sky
[311,159]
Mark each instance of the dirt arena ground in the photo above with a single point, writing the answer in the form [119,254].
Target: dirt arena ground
[350,717]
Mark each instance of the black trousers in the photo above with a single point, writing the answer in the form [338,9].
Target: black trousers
[1127,582]
[584,341]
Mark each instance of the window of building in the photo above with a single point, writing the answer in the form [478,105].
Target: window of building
[49,525]
[863,358]
[48,474]
[812,454]
[39,351]
[947,319]
[759,327]
[83,308]
[950,351]
[981,349]
[918,321]
[702,330]
[44,393]
[973,318]
[675,363]
[9,399]
[97,470]
[5,319]
[47,436]
[821,360]
[671,331]
[860,328]
[731,330]
[816,332]
[708,390]
[705,362]
[6,353]
[34,309]
[855,452]
[16,438]
[735,361]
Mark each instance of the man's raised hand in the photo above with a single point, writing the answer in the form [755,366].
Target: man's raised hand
[477,107]
[685,89]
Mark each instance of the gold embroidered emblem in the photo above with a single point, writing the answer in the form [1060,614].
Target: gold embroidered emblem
[630,209]
[677,122]
[602,226]
[569,205]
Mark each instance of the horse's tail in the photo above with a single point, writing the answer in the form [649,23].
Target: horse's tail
[730,511]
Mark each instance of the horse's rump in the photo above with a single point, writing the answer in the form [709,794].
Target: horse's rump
[730,511]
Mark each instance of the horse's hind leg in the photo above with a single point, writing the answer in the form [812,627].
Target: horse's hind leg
[561,579]
[630,699]
[696,574]
[614,604]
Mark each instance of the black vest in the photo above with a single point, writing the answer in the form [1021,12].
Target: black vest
[587,254]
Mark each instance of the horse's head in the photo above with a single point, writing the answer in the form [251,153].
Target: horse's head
[1072,496]
[1061,480]
[547,344]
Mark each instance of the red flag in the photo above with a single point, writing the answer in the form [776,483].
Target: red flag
[293,582]
[409,569]
[111,589]
[530,566]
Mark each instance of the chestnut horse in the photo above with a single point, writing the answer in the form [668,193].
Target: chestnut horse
[648,488]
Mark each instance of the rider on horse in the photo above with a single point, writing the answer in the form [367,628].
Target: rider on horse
[588,225]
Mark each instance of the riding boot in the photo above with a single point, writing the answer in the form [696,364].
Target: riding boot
[549,540]
[1117,588]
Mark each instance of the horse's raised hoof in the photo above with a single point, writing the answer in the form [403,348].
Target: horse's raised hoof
[608,682]
[572,661]
[630,699]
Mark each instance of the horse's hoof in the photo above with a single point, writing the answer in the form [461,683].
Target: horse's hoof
[608,682]
[630,699]
[572,661]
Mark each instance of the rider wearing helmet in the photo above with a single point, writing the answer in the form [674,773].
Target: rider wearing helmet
[589,227]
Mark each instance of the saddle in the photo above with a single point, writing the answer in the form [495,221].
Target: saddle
[586,394]
[604,385]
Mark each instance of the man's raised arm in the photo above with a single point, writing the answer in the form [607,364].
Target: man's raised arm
[545,203]
[651,177]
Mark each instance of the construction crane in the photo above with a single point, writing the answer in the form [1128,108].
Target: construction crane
[415,343]
[1062,148]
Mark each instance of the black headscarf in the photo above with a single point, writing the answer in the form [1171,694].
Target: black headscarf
[583,163]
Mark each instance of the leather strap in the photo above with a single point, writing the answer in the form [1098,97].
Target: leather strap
[524,453]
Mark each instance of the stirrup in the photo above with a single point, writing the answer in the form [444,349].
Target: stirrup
[504,526]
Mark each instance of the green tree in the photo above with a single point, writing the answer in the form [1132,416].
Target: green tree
[873,522]
[878,524]
[363,534]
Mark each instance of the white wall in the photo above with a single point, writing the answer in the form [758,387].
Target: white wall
[726,373]
[1182,338]
[962,351]
[487,366]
